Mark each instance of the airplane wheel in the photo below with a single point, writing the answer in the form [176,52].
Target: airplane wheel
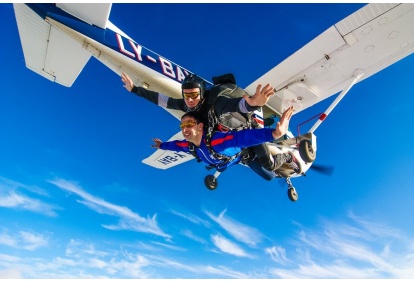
[211,182]
[292,194]
[306,151]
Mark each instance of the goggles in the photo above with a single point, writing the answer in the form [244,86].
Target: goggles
[192,95]
[188,124]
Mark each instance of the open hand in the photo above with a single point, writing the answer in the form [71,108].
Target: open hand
[283,124]
[157,143]
[261,96]
[127,81]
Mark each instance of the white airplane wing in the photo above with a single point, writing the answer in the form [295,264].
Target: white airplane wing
[370,40]
[49,52]
[165,159]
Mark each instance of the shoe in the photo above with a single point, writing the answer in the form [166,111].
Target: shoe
[264,157]
[293,162]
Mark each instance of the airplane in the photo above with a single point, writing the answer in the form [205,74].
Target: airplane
[59,39]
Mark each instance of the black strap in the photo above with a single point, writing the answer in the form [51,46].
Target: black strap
[193,151]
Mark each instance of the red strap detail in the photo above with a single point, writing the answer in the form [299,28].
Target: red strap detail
[182,144]
[260,121]
[219,141]
[323,116]
[222,128]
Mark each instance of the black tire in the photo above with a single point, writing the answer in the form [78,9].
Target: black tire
[292,194]
[306,151]
[211,182]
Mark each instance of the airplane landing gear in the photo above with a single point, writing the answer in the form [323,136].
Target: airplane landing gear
[306,151]
[211,181]
[292,194]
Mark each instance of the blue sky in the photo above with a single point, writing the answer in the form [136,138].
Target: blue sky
[77,202]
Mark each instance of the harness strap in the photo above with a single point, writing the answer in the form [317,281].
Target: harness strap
[193,151]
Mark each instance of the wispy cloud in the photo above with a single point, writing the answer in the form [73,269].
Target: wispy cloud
[192,218]
[278,254]
[171,247]
[12,184]
[9,258]
[189,234]
[32,241]
[118,264]
[362,248]
[227,246]
[243,233]
[79,249]
[200,270]
[128,220]
[333,271]
[10,197]
[24,240]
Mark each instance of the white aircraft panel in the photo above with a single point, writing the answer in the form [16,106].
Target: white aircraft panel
[165,159]
[94,13]
[362,16]
[34,33]
[65,58]
[374,37]
[47,50]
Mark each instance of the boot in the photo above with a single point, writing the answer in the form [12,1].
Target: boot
[264,157]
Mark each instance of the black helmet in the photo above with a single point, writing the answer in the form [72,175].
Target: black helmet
[194,81]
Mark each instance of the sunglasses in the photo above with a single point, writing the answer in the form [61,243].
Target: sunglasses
[192,95]
[188,124]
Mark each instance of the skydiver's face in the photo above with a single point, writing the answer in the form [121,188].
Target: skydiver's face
[191,97]
[192,131]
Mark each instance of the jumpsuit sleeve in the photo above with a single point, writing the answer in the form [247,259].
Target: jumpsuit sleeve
[224,104]
[159,99]
[244,138]
[177,145]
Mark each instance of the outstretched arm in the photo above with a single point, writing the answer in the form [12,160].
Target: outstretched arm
[283,124]
[261,96]
[175,145]
[160,99]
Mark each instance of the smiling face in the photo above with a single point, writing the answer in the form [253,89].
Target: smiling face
[191,97]
[192,130]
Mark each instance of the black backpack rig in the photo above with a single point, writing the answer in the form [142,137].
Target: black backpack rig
[225,85]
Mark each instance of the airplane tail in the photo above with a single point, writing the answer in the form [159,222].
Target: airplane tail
[48,51]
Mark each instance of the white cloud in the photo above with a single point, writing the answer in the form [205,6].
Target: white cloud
[80,249]
[189,234]
[11,198]
[192,218]
[7,240]
[32,241]
[331,271]
[9,258]
[360,249]
[128,220]
[170,246]
[97,263]
[14,185]
[24,240]
[223,271]
[278,254]
[195,268]
[243,233]
[227,246]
